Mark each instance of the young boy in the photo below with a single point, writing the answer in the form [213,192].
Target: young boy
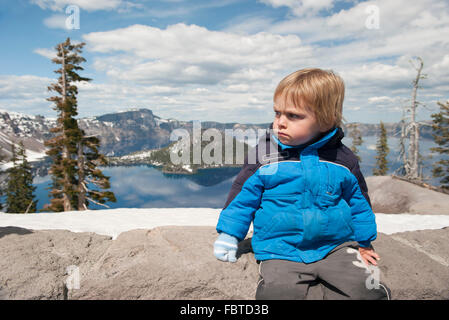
[308,201]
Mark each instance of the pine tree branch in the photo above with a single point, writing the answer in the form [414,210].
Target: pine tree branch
[28,208]
[101,204]
[96,192]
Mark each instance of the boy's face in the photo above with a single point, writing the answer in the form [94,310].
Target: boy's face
[293,125]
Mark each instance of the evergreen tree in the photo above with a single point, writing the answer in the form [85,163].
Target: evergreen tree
[12,187]
[26,181]
[63,147]
[71,165]
[356,137]
[441,136]
[88,160]
[382,152]
[20,187]
[2,158]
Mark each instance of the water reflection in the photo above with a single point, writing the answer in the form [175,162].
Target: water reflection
[207,177]
[143,186]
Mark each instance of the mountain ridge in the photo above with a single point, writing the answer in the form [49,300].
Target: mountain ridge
[131,130]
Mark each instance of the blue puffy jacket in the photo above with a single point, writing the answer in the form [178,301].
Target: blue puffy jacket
[303,200]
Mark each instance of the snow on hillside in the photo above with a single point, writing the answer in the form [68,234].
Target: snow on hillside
[140,155]
[31,157]
[112,222]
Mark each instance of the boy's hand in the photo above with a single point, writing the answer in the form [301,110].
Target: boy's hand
[225,247]
[369,256]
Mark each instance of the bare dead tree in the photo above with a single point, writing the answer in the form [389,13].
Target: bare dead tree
[413,127]
[412,168]
[402,153]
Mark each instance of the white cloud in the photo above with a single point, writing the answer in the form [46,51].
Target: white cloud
[220,72]
[56,21]
[301,7]
[378,74]
[242,87]
[189,54]
[25,93]
[440,69]
[247,24]
[47,53]
[190,72]
[280,3]
[376,62]
[396,18]
[380,99]
[89,5]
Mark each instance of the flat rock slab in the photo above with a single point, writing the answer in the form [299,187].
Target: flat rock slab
[390,195]
[177,262]
[415,264]
[34,264]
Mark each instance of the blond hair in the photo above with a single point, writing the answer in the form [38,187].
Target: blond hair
[319,91]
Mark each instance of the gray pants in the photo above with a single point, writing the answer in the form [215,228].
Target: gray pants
[341,275]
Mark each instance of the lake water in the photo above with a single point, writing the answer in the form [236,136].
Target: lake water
[143,186]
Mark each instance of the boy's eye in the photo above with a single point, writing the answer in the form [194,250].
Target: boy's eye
[294,116]
[289,115]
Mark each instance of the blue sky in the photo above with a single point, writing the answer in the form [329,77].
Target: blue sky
[222,59]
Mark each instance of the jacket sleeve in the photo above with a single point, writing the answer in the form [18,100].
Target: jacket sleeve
[356,195]
[243,201]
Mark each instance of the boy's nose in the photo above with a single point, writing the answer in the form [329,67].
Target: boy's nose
[282,121]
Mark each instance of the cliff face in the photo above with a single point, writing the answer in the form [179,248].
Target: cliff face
[125,132]
[120,133]
[178,263]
